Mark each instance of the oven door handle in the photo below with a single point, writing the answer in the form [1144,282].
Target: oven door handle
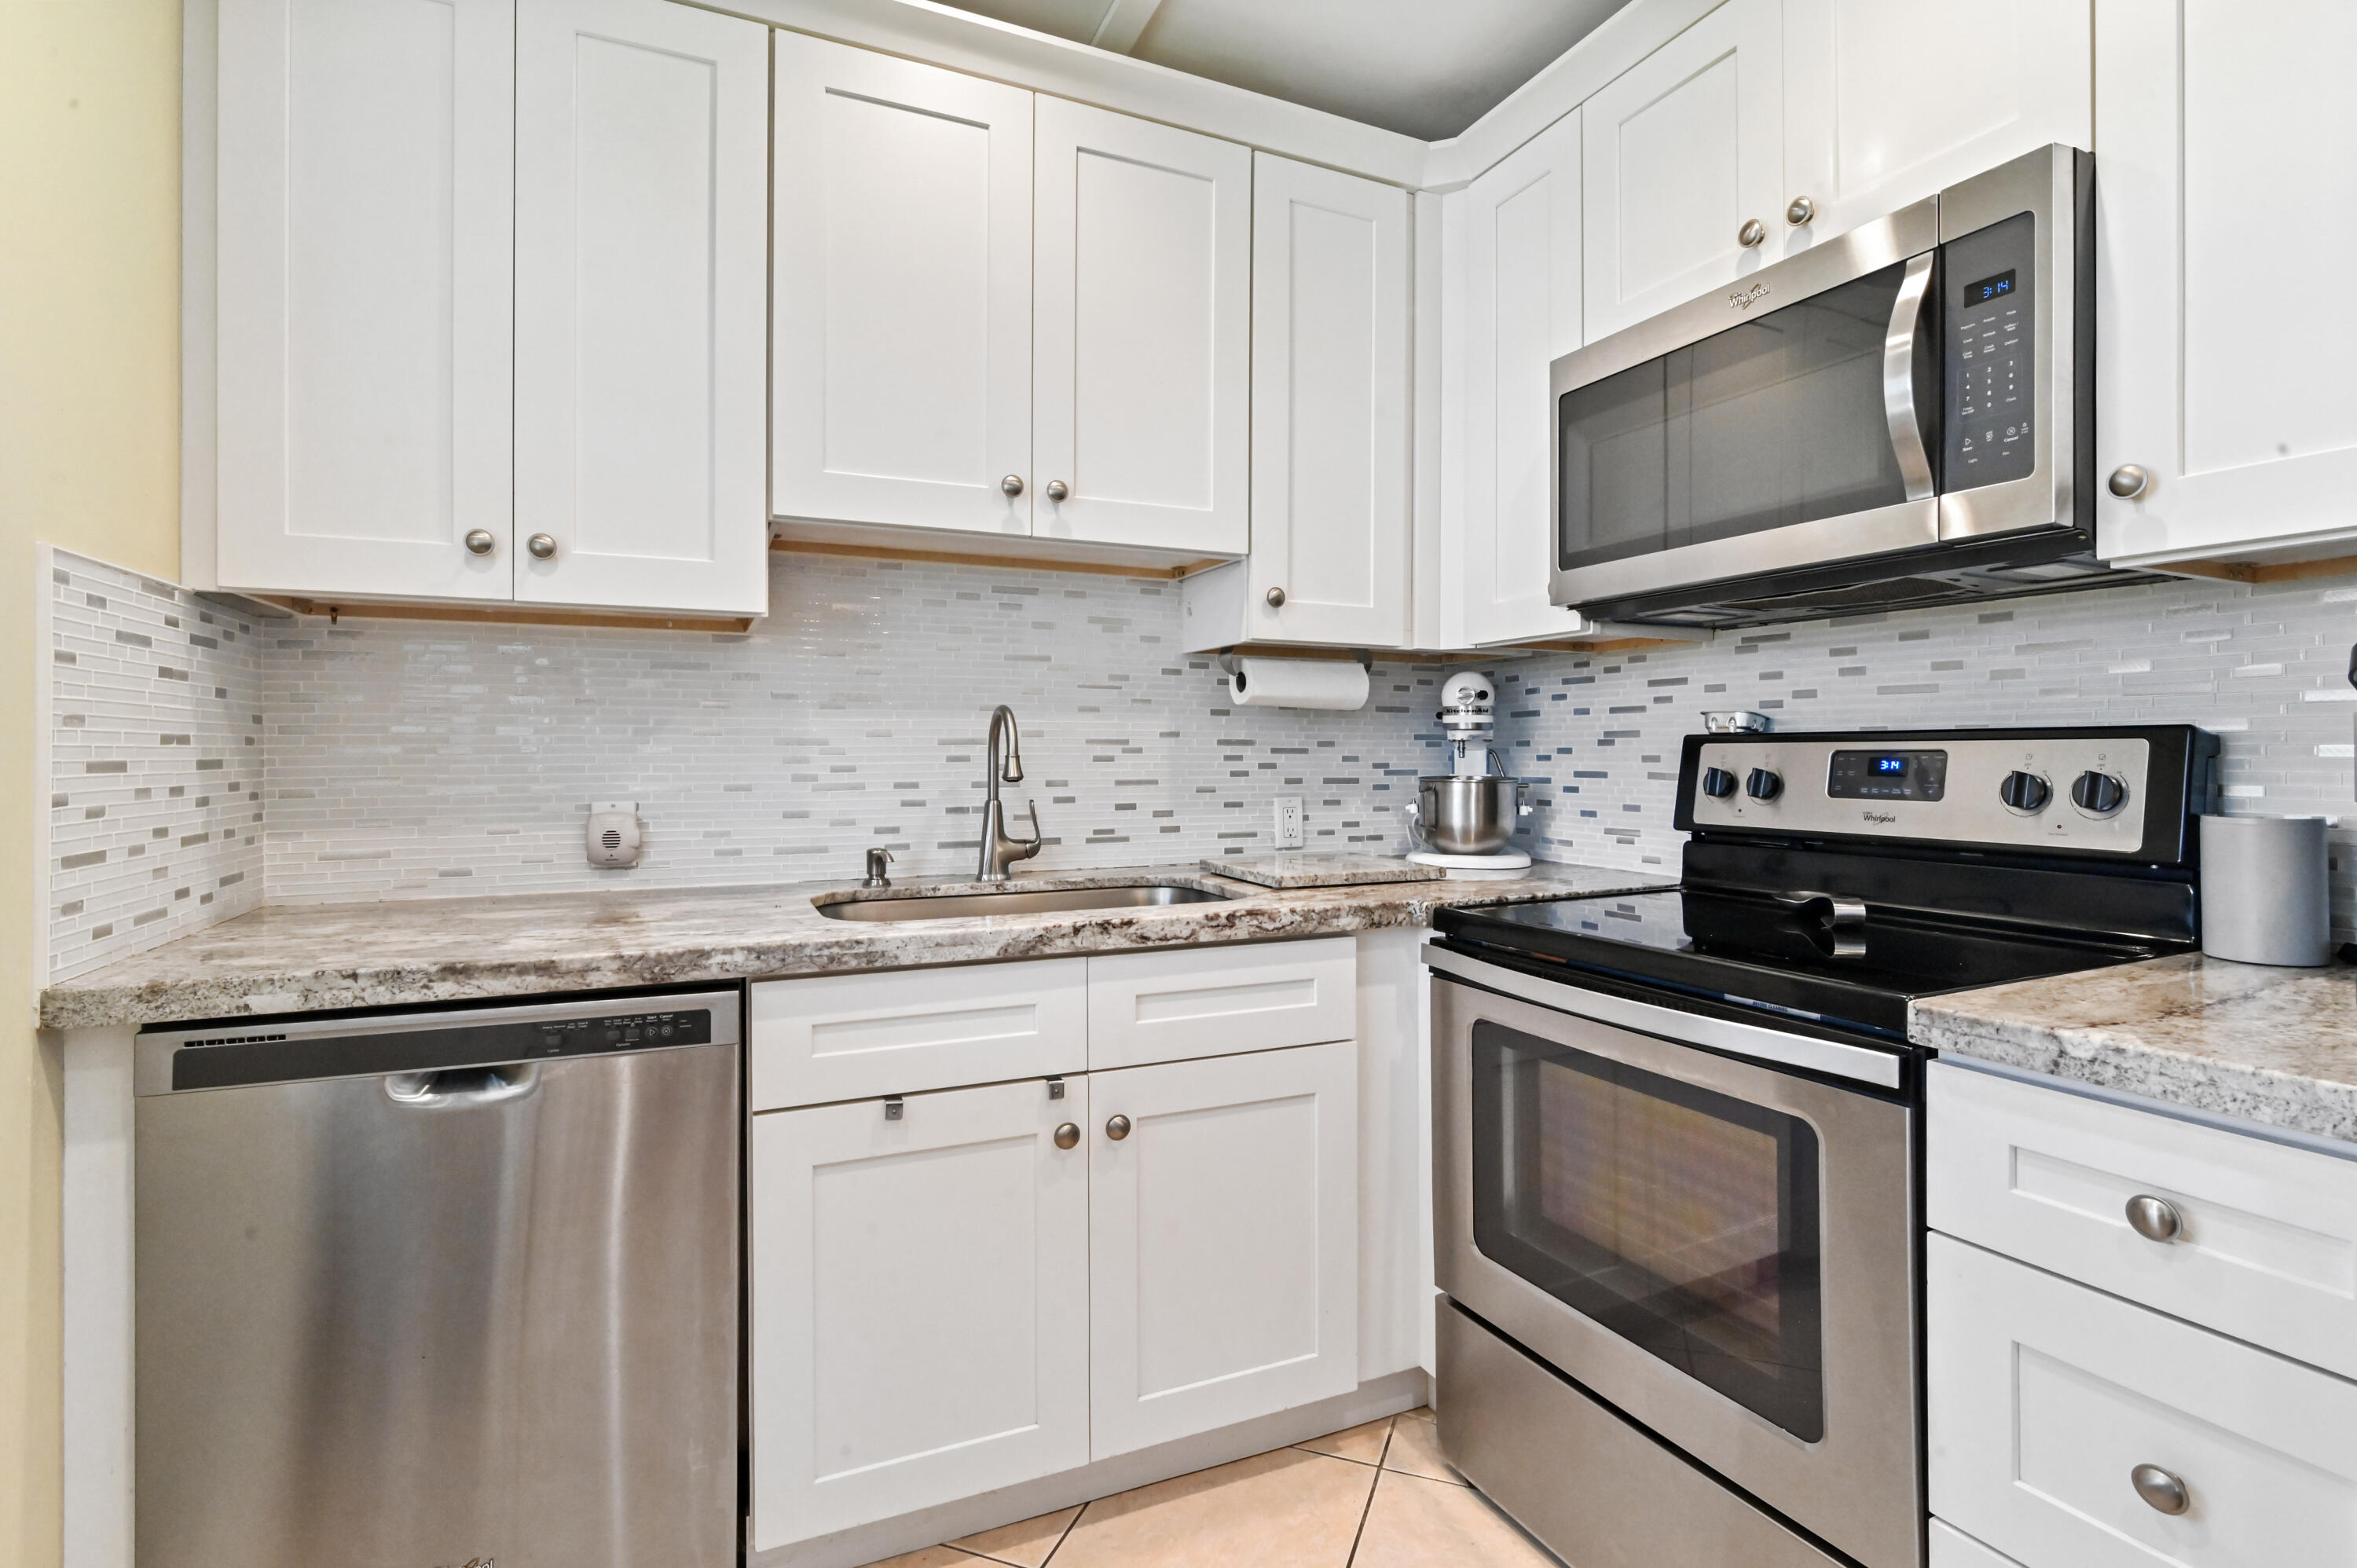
[1902,347]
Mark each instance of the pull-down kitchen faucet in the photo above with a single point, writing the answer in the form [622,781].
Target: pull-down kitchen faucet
[998,851]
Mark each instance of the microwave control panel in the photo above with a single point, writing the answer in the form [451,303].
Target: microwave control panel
[1991,320]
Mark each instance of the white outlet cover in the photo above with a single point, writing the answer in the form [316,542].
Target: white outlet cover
[1288,821]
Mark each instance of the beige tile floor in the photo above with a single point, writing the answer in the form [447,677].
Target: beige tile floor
[1377,1495]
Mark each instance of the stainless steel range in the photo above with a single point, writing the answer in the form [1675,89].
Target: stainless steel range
[1677,1135]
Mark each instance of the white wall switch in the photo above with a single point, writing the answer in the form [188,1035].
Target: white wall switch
[1288,821]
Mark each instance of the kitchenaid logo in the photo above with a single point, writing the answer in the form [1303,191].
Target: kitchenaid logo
[1745,298]
[1882,818]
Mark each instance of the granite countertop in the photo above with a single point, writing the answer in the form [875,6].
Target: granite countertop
[2273,1045]
[308,957]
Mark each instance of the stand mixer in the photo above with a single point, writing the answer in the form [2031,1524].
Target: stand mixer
[1464,820]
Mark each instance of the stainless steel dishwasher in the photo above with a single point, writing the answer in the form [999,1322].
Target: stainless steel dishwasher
[420,1290]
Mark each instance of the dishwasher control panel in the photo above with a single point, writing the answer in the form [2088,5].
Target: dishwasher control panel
[232,1053]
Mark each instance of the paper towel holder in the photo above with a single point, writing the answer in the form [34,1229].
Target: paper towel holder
[1228,661]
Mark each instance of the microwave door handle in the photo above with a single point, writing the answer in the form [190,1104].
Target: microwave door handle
[1899,350]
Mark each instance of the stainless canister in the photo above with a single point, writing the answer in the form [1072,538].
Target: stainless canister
[2264,890]
[1467,816]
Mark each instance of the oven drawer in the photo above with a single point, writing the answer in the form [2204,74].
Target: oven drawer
[1221,1000]
[2266,1248]
[2045,1396]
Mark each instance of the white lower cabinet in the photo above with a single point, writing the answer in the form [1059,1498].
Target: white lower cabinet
[961,1290]
[1223,1241]
[919,1303]
[2047,1399]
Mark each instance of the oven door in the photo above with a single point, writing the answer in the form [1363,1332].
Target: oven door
[1790,421]
[1722,1248]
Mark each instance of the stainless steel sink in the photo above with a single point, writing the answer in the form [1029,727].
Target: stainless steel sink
[1025,901]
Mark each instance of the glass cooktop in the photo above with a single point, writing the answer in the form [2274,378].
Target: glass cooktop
[1755,951]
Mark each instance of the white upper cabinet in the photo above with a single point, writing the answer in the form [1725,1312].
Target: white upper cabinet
[2223,185]
[1886,102]
[1142,345]
[361,375]
[641,297]
[1329,411]
[1683,150]
[1520,310]
[901,379]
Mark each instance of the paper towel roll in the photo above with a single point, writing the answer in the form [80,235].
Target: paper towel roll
[1337,684]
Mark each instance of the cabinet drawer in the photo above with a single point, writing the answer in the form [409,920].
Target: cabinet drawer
[845,1036]
[2267,1245]
[2044,1396]
[1218,1001]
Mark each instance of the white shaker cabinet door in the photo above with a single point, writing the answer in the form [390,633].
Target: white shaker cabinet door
[1683,150]
[2225,198]
[1223,1241]
[1142,333]
[2045,1399]
[1868,129]
[902,232]
[643,134]
[1330,451]
[363,325]
[1522,309]
[919,1311]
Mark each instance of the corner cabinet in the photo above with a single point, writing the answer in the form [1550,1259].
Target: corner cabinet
[2224,409]
[1520,296]
[489,283]
[1002,314]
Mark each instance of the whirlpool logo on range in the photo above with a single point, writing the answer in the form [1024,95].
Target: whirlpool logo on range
[1881,818]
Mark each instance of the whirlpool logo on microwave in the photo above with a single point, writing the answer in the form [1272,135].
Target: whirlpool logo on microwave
[1745,298]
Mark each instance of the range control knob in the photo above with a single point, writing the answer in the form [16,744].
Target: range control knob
[2099,794]
[2025,791]
[1763,785]
[1717,783]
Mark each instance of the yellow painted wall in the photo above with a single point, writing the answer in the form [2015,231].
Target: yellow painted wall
[90,226]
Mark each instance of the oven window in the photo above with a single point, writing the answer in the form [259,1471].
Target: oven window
[1683,1220]
[1777,421]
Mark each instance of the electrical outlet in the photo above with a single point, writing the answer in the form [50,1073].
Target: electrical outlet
[1288,821]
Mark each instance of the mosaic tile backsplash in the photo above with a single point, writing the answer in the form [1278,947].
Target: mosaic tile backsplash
[415,760]
[2264,666]
[155,763]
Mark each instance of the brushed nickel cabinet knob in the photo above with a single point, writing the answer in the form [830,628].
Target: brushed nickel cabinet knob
[2129,481]
[2155,1218]
[543,546]
[2161,1491]
[1067,1135]
[1012,484]
[1118,1129]
[1802,211]
[1752,232]
[1058,489]
[1276,598]
[479,542]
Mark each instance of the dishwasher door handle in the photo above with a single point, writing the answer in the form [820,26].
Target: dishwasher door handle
[462,1086]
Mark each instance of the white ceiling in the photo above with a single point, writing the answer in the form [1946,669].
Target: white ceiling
[1421,69]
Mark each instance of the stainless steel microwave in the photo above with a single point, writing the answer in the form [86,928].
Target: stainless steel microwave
[1901,415]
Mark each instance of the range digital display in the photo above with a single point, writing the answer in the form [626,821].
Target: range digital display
[1887,776]
[1996,286]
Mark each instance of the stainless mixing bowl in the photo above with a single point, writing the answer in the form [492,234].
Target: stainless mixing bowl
[1467,816]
